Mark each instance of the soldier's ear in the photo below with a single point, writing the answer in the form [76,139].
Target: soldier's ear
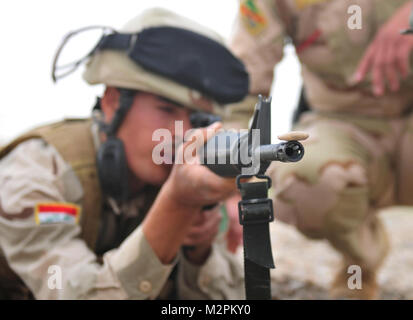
[110,103]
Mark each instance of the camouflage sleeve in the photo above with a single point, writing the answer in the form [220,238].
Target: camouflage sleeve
[220,277]
[40,239]
[258,40]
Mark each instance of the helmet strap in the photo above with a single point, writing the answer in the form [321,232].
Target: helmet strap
[111,158]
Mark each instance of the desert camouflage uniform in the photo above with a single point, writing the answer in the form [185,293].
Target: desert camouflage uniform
[33,173]
[359,154]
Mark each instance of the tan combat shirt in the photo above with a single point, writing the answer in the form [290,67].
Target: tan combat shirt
[34,173]
[328,49]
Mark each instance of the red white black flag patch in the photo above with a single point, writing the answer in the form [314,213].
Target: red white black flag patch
[46,213]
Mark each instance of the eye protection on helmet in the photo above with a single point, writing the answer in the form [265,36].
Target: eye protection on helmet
[186,57]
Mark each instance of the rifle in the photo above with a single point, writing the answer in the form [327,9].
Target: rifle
[230,154]
[245,155]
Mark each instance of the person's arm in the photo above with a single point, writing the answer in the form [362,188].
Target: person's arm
[51,258]
[387,59]
[189,187]
[258,40]
[221,276]
[176,220]
[207,269]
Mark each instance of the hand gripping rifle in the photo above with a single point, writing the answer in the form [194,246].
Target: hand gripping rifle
[245,155]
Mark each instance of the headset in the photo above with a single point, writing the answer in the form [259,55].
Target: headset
[111,158]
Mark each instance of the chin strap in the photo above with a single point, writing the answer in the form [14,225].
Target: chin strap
[125,104]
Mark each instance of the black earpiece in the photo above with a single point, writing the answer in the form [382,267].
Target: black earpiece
[113,169]
[111,158]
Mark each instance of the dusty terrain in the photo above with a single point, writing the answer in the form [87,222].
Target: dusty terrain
[304,268]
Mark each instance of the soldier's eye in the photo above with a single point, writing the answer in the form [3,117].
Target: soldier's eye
[167,109]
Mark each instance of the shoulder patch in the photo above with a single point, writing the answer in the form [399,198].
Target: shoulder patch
[253,17]
[47,213]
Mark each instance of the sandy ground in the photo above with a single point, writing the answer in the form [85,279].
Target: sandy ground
[304,268]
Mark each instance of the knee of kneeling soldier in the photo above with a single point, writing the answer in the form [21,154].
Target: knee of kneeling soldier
[333,205]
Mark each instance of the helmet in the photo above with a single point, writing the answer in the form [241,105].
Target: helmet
[171,56]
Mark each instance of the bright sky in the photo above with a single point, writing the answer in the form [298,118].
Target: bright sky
[31,31]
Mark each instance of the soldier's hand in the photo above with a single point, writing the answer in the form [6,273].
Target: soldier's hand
[201,235]
[387,58]
[192,184]
[234,234]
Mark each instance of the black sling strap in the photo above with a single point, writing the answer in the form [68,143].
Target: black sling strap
[255,214]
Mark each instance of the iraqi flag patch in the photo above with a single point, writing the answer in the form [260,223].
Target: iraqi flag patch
[47,213]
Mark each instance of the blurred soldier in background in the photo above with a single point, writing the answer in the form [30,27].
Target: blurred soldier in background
[358,82]
[84,210]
